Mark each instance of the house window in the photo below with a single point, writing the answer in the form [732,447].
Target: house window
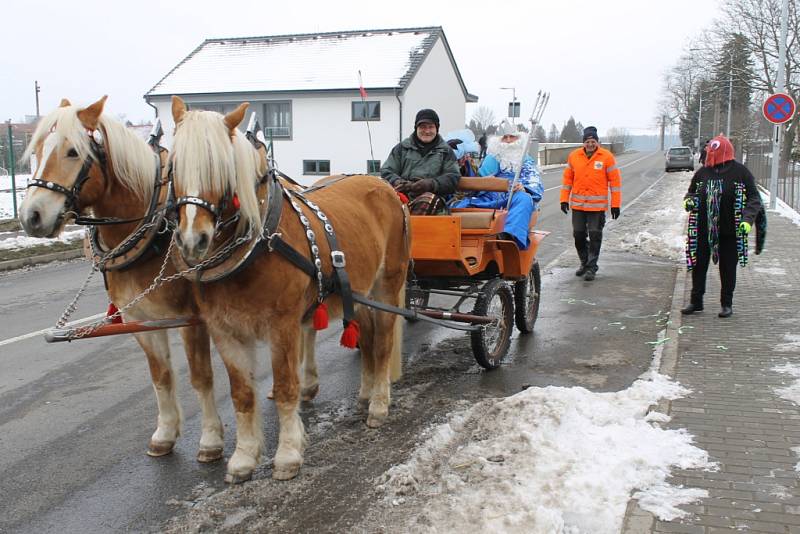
[317,166]
[219,107]
[362,111]
[278,119]
[373,166]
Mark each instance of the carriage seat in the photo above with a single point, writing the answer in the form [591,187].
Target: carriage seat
[475,219]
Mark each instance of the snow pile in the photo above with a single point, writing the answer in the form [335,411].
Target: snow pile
[9,241]
[549,460]
[655,232]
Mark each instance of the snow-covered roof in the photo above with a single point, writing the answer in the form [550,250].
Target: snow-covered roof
[387,59]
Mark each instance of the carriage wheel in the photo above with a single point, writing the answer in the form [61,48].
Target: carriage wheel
[490,343]
[416,298]
[527,294]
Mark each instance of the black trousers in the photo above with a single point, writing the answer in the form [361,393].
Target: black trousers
[587,229]
[727,269]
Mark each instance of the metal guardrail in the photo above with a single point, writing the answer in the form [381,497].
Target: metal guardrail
[758,158]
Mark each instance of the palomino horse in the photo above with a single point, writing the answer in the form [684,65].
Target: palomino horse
[271,298]
[91,164]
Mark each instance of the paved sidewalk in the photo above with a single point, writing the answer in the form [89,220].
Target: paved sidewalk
[733,410]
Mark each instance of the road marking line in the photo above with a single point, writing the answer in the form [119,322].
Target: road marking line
[42,332]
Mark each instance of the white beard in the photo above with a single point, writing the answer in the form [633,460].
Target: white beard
[508,155]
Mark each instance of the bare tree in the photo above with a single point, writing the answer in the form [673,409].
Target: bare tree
[483,117]
[618,135]
[758,22]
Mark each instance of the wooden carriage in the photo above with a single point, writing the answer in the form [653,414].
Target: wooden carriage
[459,255]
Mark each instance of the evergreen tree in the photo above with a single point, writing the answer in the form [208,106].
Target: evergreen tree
[539,134]
[570,133]
[553,136]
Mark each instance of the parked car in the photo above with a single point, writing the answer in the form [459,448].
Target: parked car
[680,158]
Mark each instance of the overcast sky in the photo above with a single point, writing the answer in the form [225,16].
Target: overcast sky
[602,62]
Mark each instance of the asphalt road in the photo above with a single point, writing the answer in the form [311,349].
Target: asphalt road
[75,418]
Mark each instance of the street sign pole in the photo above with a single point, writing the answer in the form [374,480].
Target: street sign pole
[776,139]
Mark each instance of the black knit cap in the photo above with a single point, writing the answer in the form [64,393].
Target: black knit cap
[590,132]
[426,115]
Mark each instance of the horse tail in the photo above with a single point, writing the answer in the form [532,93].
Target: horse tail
[396,358]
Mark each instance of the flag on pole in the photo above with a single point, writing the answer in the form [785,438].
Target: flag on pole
[362,91]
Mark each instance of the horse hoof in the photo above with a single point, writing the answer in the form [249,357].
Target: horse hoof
[159,448]
[309,393]
[286,472]
[375,421]
[231,478]
[205,456]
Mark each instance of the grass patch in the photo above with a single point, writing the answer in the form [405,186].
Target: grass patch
[9,225]
[27,252]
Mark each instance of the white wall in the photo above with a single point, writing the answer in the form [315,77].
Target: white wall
[322,129]
[435,86]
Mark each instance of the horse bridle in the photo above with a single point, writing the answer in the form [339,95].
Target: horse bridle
[72,194]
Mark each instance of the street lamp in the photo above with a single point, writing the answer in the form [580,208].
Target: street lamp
[513,108]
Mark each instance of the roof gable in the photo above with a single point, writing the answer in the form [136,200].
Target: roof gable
[388,59]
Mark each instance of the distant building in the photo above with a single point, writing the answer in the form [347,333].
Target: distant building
[305,90]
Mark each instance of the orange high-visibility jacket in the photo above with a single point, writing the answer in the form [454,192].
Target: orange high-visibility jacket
[587,181]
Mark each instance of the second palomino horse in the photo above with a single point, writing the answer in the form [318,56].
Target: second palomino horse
[273,299]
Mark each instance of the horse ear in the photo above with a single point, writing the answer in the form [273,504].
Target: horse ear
[64,103]
[235,117]
[90,116]
[178,109]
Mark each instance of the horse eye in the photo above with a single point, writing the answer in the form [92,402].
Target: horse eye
[72,153]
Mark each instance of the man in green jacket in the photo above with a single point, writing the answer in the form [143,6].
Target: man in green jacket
[423,162]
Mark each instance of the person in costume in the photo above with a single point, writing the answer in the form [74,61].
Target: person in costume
[723,204]
[503,158]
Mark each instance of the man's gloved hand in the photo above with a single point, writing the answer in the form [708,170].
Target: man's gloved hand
[565,207]
[615,213]
[744,228]
[401,186]
[688,204]
[426,185]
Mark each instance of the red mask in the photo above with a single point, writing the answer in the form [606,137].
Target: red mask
[718,151]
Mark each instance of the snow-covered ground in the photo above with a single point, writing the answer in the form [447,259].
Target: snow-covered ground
[6,200]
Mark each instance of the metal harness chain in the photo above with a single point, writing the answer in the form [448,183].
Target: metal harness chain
[312,242]
[77,333]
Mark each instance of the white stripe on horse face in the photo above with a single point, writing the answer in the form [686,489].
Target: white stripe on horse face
[49,145]
[191,212]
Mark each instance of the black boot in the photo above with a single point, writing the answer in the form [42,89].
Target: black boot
[726,311]
[589,276]
[692,308]
[581,270]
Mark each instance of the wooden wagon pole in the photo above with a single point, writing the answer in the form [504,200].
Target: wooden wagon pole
[56,335]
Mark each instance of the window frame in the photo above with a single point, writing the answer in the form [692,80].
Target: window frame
[356,103]
[266,127]
[316,163]
[377,168]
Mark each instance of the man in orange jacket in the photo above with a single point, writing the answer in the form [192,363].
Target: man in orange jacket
[590,173]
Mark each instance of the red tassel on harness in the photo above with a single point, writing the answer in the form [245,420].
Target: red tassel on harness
[321,317]
[403,197]
[236,203]
[111,311]
[350,335]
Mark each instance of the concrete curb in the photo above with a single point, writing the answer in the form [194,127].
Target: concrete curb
[638,521]
[18,263]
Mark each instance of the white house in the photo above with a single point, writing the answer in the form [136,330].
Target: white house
[305,90]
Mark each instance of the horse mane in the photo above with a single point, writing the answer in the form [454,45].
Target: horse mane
[132,160]
[210,161]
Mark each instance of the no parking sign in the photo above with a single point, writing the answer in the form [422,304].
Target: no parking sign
[779,108]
